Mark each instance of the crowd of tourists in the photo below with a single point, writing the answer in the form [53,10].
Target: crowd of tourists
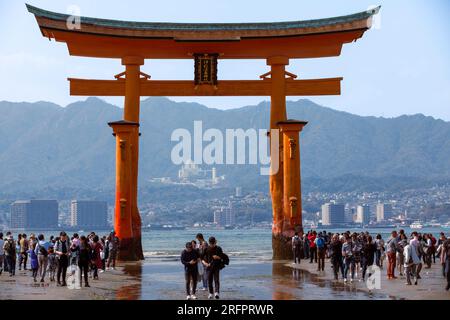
[352,254]
[86,256]
[202,262]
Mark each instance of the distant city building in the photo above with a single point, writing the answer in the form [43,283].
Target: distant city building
[363,214]
[89,214]
[225,216]
[384,211]
[34,214]
[238,192]
[333,214]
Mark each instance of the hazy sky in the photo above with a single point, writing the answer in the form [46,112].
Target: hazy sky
[401,68]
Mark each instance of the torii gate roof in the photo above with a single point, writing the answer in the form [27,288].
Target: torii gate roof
[162,40]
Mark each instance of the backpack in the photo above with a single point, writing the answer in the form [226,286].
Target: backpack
[225,260]
[43,251]
[297,243]
[320,243]
[11,249]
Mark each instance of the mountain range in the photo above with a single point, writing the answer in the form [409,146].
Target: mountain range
[44,146]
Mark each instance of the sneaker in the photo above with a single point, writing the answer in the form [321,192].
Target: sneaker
[188,297]
[203,289]
[210,296]
[101,271]
[87,285]
[42,280]
[216,295]
[193,297]
[408,283]
[351,280]
[345,280]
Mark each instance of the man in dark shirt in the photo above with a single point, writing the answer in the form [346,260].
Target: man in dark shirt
[62,254]
[189,258]
[336,256]
[212,259]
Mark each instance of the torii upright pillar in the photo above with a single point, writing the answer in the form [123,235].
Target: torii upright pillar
[130,248]
[292,195]
[277,114]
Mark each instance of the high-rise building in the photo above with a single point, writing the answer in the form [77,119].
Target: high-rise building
[34,214]
[384,211]
[225,216]
[89,214]
[238,192]
[333,214]
[363,214]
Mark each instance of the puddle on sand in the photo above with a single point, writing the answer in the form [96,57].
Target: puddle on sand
[244,281]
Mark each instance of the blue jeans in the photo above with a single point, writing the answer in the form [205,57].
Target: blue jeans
[349,263]
[378,258]
[205,278]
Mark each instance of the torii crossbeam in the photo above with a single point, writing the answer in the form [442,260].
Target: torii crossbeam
[206,44]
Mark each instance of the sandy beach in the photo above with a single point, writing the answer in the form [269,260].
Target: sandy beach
[277,280]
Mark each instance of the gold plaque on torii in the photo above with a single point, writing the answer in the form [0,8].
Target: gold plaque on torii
[205,68]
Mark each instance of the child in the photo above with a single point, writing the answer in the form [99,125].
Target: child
[52,263]
[34,261]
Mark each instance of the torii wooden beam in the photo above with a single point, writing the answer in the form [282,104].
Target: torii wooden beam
[172,88]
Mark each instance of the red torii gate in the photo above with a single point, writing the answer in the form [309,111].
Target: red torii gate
[205,43]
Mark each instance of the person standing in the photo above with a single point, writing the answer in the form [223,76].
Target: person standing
[113,248]
[2,253]
[402,242]
[445,258]
[440,243]
[23,254]
[52,263]
[62,253]
[321,250]
[391,251]
[368,254]
[189,258]
[42,254]
[10,254]
[349,261]
[297,248]
[306,246]
[380,251]
[34,263]
[84,259]
[96,248]
[312,247]
[203,246]
[336,256]
[411,262]
[213,261]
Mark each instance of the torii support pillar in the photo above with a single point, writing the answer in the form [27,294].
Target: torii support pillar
[292,195]
[131,113]
[277,114]
[125,132]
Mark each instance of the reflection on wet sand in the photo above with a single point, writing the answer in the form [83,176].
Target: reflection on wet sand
[131,292]
[282,285]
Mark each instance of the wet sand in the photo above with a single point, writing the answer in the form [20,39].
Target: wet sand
[430,287]
[243,280]
[112,285]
